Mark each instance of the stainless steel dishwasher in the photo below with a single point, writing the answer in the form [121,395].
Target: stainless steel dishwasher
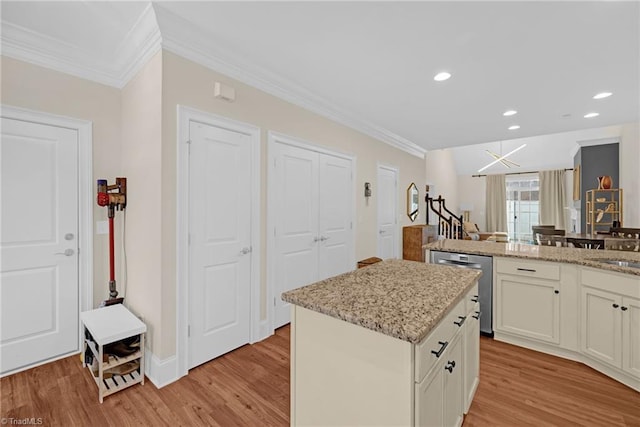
[485,284]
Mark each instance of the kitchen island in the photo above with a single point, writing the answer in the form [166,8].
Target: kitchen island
[385,345]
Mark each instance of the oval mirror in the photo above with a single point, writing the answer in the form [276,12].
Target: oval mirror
[412,202]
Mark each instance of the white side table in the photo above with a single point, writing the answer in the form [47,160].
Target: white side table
[105,326]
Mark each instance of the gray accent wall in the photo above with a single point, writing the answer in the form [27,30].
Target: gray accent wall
[595,161]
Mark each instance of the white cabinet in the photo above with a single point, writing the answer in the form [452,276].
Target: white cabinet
[630,310]
[528,299]
[452,384]
[429,408]
[602,325]
[471,355]
[610,326]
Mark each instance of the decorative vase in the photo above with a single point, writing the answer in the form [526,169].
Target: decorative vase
[604,182]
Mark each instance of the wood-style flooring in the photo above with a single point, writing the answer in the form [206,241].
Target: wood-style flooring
[250,387]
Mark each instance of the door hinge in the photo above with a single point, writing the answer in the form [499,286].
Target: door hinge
[274,301]
[189,239]
[351,225]
[275,162]
[189,331]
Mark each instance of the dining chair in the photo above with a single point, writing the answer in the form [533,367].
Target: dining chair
[586,243]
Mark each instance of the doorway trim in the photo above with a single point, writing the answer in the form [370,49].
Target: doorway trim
[398,240]
[84,129]
[274,138]
[186,115]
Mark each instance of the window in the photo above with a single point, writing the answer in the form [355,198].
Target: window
[523,203]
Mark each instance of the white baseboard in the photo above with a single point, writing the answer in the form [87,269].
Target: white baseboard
[265,330]
[160,372]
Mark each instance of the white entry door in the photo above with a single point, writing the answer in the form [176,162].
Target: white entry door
[220,233]
[387,212]
[39,243]
[313,205]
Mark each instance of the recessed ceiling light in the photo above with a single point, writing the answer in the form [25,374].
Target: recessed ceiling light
[602,95]
[509,113]
[440,77]
[514,127]
[591,115]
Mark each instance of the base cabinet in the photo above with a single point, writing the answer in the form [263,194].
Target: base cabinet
[602,325]
[471,357]
[631,336]
[429,409]
[452,384]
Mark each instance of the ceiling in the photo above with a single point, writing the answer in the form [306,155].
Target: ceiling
[370,65]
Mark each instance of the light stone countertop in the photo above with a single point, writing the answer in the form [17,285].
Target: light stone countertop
[402,299]
[585,257]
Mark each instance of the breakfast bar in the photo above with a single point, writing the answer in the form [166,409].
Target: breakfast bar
[395,343]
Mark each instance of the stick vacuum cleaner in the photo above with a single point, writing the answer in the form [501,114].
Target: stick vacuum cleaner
[113,197]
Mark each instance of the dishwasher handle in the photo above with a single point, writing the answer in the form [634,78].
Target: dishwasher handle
[462,264]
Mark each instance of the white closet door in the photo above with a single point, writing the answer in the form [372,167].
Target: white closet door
[336,205]
[39,246]
[387,212]
[220,221]
[296,218]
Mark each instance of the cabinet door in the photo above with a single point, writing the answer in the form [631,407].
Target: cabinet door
[429,398]
[471,356]
[452,384]
[528,307]
[601,325]
[630,309]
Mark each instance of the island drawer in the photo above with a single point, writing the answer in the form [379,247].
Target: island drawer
[435,344]
[540,270]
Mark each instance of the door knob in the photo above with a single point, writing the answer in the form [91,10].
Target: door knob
[67,252]
[245,251]
[69,236]
[381,231]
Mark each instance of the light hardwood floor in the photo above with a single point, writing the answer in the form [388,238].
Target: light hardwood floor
[250,387]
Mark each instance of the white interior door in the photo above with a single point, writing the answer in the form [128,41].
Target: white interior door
[39,243]
[335,226]
[387,212]
[220,233]
[295,192]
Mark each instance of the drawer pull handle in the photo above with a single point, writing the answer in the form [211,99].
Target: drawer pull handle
[556,292]
[444,345]
[474,298]
[461,322]
[615,306]
[477,316]
[450,366]
[623,308]
[530,270]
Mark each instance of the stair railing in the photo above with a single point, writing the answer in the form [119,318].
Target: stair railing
[448,226]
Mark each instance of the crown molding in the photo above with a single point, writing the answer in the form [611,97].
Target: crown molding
[30,46]
[183,39]
[158,28]
[139,45]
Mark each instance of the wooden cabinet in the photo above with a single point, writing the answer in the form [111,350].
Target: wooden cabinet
[414,241]
[603,207]
[528,299]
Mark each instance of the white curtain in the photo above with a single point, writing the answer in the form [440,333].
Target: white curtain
[496,207]
[552,198]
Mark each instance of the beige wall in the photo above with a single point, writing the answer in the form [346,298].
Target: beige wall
[441,173]
[473,190]
[190,84]
[36,88]
[141,163]
[630,173]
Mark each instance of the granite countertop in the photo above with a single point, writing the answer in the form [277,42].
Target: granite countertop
[586,257]
[402,299]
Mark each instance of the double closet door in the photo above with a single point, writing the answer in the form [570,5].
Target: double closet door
[313,218]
